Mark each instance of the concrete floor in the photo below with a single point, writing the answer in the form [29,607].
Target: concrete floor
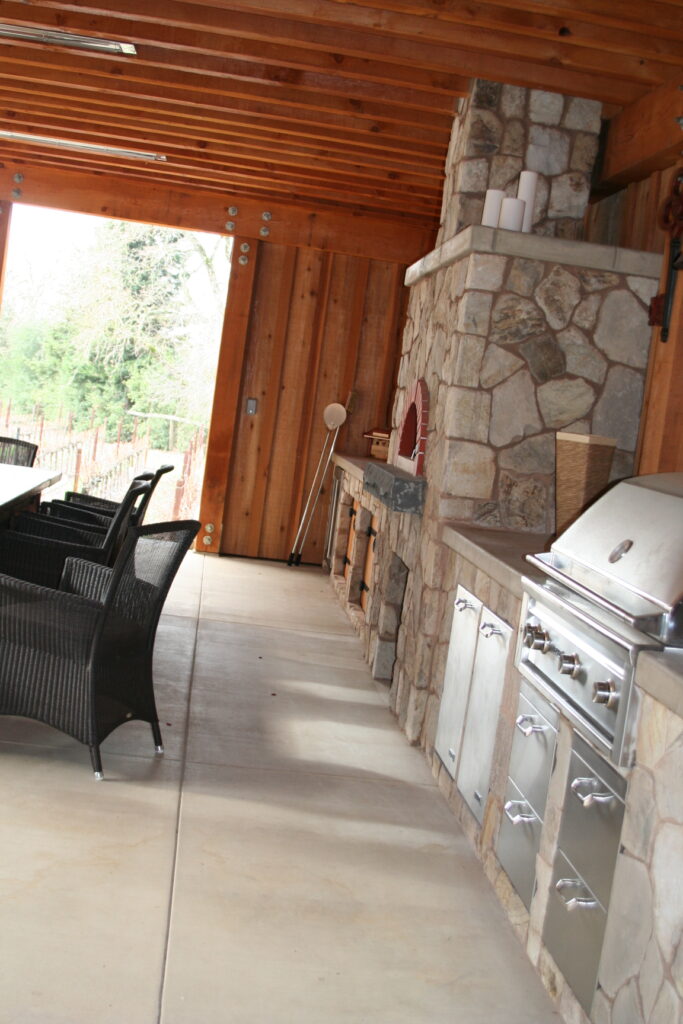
[288,861]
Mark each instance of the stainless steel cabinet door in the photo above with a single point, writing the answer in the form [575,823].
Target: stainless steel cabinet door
[481,717]
[457,678]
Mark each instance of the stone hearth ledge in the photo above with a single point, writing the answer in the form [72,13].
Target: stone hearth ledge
[498,242]
[393,487]
[498,553]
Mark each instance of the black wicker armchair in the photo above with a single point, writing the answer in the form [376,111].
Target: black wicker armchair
[80,658]
[92,510]
[14,452]
[36,547]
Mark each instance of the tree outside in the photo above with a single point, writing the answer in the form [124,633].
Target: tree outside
[109,332]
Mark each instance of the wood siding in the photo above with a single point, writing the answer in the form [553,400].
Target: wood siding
[629,218]
[322,328]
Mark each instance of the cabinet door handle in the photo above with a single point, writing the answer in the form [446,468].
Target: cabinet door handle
[488,629]
[574,902]
[517,817]
[581,788]
[527,725]
[463,605]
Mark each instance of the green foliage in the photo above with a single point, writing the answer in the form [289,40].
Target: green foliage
[121,335]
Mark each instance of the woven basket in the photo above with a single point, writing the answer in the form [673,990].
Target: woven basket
[582,468]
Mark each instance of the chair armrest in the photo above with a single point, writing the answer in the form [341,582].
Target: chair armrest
[46,620]
[41,560]
[50,527]
[71,510]
[92,501]
[87,579]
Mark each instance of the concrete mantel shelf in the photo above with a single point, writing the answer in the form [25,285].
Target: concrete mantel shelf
[495,241]
[393,487]
[398,490]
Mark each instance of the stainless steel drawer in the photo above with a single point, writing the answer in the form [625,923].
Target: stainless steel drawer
[592,818]
[574,929]
[518,842]
[533,747]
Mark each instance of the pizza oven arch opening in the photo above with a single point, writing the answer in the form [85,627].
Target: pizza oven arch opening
[412,440]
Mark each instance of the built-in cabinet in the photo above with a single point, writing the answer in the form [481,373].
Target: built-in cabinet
[470,703]
[531,762]
[583,869]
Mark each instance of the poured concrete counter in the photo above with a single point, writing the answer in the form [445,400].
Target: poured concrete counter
[499,553]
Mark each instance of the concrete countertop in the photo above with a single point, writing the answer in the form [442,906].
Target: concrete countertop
[661,676]
[498,553]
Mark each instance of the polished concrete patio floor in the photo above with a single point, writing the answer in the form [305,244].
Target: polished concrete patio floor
[288,861]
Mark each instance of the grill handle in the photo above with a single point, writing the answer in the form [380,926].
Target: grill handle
[579,588]
[513,811]
[574,902]
[587,796]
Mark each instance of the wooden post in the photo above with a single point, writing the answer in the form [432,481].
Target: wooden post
[77,470]
[226,397]
[5,223]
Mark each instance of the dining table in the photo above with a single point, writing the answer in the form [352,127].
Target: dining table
[21,487]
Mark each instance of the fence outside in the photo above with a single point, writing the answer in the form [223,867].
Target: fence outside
[89,462]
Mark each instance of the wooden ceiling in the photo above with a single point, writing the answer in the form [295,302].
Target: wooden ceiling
[322,103]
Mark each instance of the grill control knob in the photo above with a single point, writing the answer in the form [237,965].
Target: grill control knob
[569,665]
[605,693]
[536,638]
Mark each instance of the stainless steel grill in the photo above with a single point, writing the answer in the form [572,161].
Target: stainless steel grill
[613,587]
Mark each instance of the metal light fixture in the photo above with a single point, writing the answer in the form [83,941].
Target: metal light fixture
[55,37]
[80,147]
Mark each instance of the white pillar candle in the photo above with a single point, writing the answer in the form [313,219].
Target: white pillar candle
[492,203]
[527,191]
[512,214]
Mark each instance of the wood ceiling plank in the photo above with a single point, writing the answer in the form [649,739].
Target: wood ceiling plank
[237,155]
[36,118]
[177,118]
[365,199]
[495,42]
[246,49]
[45,65]
[644,137]
[547,70]
[400,239]
[613,32]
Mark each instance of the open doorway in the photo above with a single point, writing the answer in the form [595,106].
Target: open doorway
[109,339]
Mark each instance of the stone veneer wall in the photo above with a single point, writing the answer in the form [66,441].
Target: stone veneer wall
[501,130]
[641,971]
[518,337]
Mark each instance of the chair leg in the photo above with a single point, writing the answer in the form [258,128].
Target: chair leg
[158,742]
[96,761]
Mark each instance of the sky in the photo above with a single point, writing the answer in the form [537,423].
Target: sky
[44,244]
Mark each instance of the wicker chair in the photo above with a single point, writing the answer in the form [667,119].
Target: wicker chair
[80,658]
[36,547]
[17,453]
[92,510]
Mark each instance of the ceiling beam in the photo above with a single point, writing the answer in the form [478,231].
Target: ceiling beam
[389,238]
[189,43]
[349,29]
[646,136]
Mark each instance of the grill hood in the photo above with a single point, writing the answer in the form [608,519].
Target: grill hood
[625,552]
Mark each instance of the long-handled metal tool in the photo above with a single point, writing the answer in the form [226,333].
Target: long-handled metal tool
[334,416]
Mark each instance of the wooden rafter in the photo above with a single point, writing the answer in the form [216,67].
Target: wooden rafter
[335,104]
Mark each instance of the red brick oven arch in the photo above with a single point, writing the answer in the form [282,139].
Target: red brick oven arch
[413,433]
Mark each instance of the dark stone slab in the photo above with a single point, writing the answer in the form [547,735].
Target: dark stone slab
[395,488]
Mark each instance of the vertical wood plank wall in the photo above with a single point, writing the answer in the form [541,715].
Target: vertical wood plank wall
[321,327]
